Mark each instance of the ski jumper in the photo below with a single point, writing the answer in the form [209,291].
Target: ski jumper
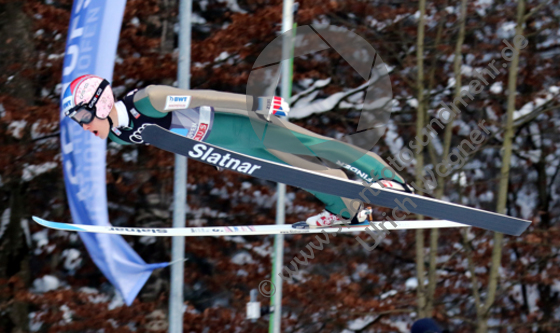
[229,125]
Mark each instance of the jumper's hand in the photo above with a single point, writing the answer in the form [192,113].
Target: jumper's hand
[273,105]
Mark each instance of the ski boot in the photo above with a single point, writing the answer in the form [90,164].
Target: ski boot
[392,185]
[327,219]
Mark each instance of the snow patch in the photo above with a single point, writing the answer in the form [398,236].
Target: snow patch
[4,221]
[131,156]
[66,314]
[116,302]
[413,102]
[482,5]
[302,110]
[233,6]
[35,322]
[32,171]
[467,71]
[25,226]
[525,110]
[451,82]
[42,240]
[491,113]
[197,19]
[393,140]
[506,30]
[45,283]
[94,296]
[460,178]
[72,259]
[497,87]
[17,127]
[527,201]
[223,56]
[488,196]
[310,87]
[400,325]
[264,250]
[360,323]
[361,269]
[411,283]
[242,258]
[147,240]
[88,290]
[236,239]
[388,294]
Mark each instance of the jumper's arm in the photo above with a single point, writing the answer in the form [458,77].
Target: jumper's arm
[166,99]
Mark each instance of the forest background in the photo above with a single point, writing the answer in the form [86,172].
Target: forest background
[474,280]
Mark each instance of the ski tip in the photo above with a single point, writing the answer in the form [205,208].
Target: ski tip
[56,225]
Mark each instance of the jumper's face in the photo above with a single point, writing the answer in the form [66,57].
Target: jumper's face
[98,127]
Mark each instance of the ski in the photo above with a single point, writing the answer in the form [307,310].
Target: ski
[245,230]
[306,179]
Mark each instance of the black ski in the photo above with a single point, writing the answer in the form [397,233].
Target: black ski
[311,180]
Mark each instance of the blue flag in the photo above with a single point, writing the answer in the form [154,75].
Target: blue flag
[90,49]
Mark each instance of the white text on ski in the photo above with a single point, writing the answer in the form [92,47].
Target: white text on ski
[204,153]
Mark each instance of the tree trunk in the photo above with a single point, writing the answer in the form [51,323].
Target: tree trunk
[483,313]
[420,121]
[14,264]
[17,68]
[168,22]
[16,51]
[434,234]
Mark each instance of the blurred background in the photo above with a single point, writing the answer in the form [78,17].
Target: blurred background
[474,280]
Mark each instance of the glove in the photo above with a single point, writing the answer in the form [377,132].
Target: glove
[273,105]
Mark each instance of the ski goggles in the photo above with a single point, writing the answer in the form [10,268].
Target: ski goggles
[84,113]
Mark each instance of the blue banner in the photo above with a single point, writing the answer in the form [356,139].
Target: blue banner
[90,49]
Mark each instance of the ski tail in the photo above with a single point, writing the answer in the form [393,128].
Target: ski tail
[58,225]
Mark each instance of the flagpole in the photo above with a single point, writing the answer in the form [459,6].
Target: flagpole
[176,298]
[276,299]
